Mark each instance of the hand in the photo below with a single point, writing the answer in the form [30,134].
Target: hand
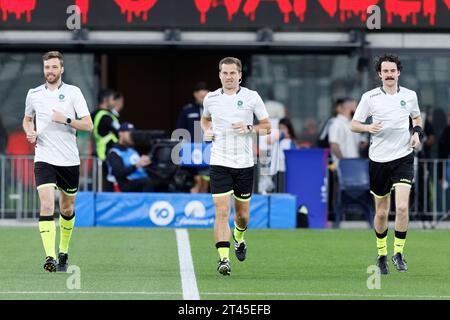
[31,136]
[208,135]
[240,127]
[144,161]
[375,127]
[414,142]
[58,117]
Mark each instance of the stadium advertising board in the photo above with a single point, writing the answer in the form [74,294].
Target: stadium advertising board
[225,14]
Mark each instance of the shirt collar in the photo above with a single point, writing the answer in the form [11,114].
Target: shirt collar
[382,90]
[221,90]
[46,87]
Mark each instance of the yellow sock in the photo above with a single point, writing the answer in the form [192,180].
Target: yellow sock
[382,243]
[399,241]
[47,230]
[224,249]
[65,232]
[238,233]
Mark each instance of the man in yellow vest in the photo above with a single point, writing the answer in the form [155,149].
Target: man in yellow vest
[105,132]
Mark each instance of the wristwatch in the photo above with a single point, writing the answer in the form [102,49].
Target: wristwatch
[250,128]
[68,121]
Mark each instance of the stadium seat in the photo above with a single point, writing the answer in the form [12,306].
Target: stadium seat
[354,188]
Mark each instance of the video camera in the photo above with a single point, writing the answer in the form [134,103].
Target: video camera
[158,146]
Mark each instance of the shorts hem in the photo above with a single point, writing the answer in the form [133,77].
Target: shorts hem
[222,194]
[46,185]
[240,199]
[380,197]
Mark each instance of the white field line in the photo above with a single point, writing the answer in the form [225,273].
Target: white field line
[188,280]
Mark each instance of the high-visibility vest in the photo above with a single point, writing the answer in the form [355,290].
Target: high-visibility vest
[102,141]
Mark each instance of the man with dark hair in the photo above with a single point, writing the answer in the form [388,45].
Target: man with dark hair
[227,121]
[60,111]
[191,113]
[189,119]
[105,133]
[391,153]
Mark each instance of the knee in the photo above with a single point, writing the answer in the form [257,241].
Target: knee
[67,210]
[241,214]
[382,213]
[402,208]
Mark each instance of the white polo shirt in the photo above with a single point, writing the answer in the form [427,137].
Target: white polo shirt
[231,149]
[56,143]
[348,141]
[393,111]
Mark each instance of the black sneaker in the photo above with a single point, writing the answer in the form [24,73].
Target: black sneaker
[62,262]
[399,262]
[382,264]
[50,264]
[240,249]
[224,267]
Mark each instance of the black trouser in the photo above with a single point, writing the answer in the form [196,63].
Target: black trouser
[139,185]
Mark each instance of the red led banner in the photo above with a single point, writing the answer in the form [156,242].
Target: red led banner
[311,14]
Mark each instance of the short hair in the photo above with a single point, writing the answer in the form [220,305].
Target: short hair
[343,100]
[388,58]
[53,54]
[104,94]
[117,95]
[231,60]
[200,86]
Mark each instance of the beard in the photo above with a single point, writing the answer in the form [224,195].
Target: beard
[55,78]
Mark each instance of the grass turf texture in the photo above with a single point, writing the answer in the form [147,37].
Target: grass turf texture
[139,263]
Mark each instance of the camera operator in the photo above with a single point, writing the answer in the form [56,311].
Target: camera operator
[127,166]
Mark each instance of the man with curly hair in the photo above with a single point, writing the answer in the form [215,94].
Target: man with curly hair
[391,153]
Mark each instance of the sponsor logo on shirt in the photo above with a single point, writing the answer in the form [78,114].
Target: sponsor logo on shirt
[374,95]
[61,97]
[240,104]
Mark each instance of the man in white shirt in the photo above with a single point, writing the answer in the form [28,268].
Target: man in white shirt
[60,109]
[228,120]
[343,142]
[391,153]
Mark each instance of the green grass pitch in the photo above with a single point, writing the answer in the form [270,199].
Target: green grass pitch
[136,263]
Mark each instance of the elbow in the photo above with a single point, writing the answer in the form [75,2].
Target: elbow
[89,127]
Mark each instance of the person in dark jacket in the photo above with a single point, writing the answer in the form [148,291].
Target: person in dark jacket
[126,165]
[189,119]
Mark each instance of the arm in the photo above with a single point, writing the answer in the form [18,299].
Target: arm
[206,124]
[28,127]
[359,127]
[264,127]
[336,150]
[83,124]
[417,132]
[118,170]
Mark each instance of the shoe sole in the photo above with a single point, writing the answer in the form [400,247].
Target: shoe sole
[50,267]
[225,271]
[61,269]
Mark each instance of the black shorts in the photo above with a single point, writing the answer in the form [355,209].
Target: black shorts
[384,176]
[66,179]
[227,181]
